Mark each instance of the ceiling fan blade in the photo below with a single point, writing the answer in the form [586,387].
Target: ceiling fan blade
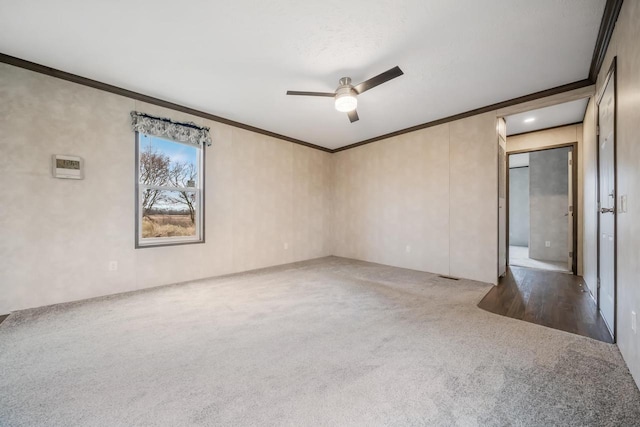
[353,116]
[295,92]
[379,79]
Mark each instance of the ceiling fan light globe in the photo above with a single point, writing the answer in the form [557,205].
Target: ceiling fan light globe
[346,102]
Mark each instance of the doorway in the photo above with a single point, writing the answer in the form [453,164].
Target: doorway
[541,200]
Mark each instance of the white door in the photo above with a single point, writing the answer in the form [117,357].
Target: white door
[607,202]
[570,212]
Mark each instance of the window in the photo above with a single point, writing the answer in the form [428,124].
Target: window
[169,193]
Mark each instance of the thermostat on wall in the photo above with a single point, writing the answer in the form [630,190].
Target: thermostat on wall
[70,167]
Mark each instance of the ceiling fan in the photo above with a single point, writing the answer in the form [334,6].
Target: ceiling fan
[346,94]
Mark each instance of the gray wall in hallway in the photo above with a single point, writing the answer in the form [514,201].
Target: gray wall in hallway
[548,197]
[519,206]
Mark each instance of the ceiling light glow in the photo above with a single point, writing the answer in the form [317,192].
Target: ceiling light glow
[346,101]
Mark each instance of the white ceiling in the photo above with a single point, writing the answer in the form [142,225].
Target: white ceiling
[236,59]
[544,118]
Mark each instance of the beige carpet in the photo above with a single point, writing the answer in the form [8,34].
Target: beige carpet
[325,342]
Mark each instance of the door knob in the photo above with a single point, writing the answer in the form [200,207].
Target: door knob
[607,210]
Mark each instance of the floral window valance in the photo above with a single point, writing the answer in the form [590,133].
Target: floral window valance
[183,132]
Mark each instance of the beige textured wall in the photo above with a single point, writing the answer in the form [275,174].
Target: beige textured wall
[260,194]
[558,136]
[425,200]
[473,233]
[59,235]
[624,45]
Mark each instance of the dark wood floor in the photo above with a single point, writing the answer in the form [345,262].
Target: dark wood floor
[557,300]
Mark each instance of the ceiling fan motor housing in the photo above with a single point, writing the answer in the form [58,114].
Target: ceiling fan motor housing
[345,96]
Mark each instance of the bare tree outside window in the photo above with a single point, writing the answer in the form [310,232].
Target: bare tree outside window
[183,174]
[154,170]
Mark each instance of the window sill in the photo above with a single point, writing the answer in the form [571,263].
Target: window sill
[163,243]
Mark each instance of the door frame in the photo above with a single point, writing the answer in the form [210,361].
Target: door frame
[574,201]
[611,74]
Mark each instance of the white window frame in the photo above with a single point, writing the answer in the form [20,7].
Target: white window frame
[142,242]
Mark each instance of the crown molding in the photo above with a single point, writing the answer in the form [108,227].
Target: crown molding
[607,25]
[493,107]
[42,69]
